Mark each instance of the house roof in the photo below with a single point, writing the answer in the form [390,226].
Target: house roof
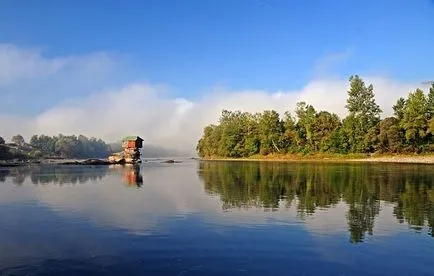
[132,138]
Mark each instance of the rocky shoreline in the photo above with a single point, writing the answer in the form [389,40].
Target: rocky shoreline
[92,161]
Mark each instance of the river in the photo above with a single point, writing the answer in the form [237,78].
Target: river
[217,218]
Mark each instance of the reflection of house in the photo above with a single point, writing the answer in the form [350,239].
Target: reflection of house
[131,175]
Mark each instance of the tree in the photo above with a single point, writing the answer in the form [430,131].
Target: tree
[399,109]
[2,141]
[322,128]
[306,117]
[289,136]
[251,138]
[18,139]
[270,132]
[391,136]
[208,144]
[232,139]
[414,121]
[430,102]
[364,114]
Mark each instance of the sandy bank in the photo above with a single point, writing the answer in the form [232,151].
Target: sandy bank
[416,159]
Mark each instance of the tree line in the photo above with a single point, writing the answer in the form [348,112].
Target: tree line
[62,146]
[243,134]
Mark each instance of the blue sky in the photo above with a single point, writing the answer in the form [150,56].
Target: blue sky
[193,46]
[263,44]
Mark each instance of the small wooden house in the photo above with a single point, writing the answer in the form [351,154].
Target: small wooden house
[132,142]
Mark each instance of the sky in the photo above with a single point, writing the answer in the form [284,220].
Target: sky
[84,66]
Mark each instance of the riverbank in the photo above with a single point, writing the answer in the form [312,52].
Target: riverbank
[398,158]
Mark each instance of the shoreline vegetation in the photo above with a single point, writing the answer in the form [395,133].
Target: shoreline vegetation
[318,135]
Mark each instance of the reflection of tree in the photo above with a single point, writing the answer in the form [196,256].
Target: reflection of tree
[320,185]
[3,174]
[361,217]
[416,205]
[70,174]
[55,174]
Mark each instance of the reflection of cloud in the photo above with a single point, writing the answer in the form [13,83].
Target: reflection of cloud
[166,191]
[175,191]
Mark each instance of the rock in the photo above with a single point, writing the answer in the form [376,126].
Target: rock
[96,162]
[171,161]
[86,162]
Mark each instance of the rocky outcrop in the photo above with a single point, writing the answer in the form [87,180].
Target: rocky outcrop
[131,151]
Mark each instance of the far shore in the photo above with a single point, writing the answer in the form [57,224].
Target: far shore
[399,158]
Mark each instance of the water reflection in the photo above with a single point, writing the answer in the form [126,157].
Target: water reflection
[71,174]
[131,175]
[53,174]
[310,187]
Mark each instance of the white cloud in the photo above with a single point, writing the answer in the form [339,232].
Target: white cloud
[146,110]
[177,123]
[17,64]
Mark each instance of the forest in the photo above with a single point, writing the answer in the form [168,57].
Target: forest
[243,134]
[61,146]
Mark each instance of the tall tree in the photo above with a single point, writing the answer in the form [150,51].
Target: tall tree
[399,109]
[270,131]
[430,102]
[415,121]
[364,113]
[289,133]
[306,117]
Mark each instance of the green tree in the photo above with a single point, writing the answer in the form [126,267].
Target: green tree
[414,121]
[399,109]
[18,139]
[430,102]
[251,137]
[306,117]
[270,132]
[208,144]
[232,140]
[391,136]
[323,126]
[364,114]
[289,136]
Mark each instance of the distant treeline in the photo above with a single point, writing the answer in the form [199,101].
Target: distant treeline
[54,146]
[243,134]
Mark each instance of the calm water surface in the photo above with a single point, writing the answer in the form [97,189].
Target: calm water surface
[218,218]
